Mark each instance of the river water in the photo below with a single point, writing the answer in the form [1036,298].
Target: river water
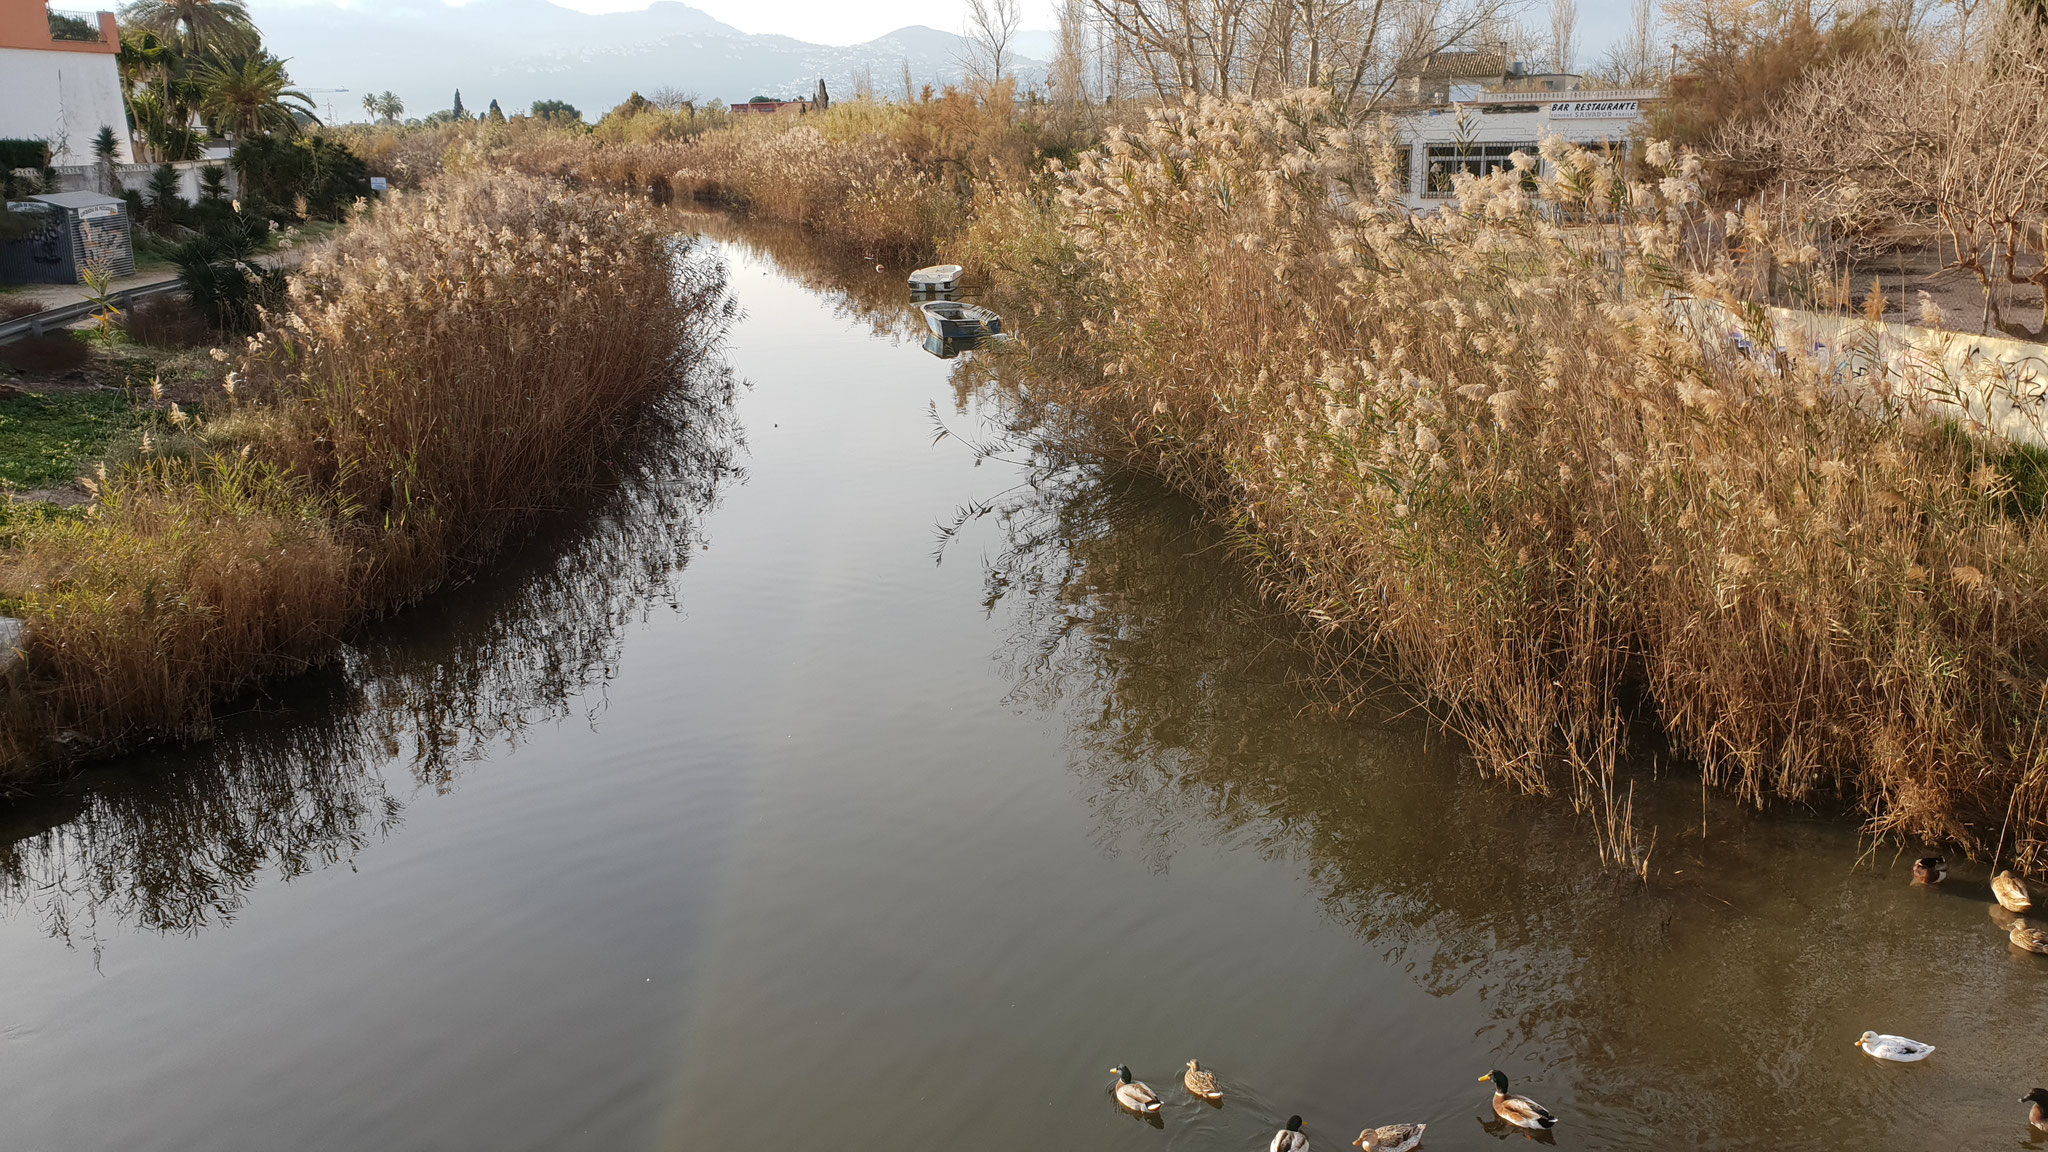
[836,783]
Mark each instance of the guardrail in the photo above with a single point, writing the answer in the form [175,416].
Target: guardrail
[42,322]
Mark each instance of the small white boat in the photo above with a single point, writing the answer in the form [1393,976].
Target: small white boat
[937,278]
[955,320]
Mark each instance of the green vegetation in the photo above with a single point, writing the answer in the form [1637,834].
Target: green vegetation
[555,110]
[47,438]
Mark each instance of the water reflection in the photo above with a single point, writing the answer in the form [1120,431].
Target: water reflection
[306,777]
[1712,1007]
[858,289]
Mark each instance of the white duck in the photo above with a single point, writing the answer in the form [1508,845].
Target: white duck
[1893,1047]
[1135,1095]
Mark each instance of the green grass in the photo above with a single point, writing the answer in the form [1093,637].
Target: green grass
[45,439]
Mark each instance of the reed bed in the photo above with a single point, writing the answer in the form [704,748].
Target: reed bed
[447,371]
[1480,443]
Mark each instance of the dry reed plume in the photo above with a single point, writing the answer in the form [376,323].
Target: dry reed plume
[1479,442]
[447,370]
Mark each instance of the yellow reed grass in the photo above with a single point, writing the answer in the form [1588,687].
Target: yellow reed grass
[1480,443]
[448,370]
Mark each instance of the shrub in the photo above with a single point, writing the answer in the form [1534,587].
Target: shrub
[320,172]
[166,320]
[48,355]
[221,278]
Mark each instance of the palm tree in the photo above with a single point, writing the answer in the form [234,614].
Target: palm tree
[217,25]
[385,106]
[251,96]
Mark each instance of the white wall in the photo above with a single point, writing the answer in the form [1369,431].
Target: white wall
[1420,128]
[90,178]
[64,98]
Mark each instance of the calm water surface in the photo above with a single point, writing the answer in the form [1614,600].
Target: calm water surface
[757,812]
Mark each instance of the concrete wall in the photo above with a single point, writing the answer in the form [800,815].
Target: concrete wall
[135,177]
[62,97]
[1990,385]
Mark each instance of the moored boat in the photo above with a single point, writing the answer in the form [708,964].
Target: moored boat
[955,320]
[937,278]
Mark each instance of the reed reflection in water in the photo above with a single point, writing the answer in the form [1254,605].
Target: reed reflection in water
[859,849]
[1712,1008]
[175,842]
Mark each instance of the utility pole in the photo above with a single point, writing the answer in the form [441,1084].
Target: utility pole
[330,100]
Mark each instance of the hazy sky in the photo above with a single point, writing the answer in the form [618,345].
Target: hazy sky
[1601,22]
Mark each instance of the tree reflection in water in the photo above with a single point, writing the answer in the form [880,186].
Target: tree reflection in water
[303,779]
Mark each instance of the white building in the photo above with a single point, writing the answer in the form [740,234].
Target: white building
[59,81]
[1470,111]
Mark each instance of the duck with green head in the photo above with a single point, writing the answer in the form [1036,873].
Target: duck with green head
[1290,1138]
[2036,1115]
[1520,1111]
[1135,1095]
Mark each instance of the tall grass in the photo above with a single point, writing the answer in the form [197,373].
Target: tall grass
[448,370]
[1479,443]
[886,181]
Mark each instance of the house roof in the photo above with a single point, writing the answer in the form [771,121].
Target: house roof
[77,199]
[1458,65]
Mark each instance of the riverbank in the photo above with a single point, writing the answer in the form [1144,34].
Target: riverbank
[448,369]
[1477,446]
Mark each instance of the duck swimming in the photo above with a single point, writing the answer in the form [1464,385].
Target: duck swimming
[2036,1115]
[1391,1138]
[1202,1082]
[1520,1111]
[2011,892]
[2025,935]
[1930,870]
[1290,1138]
[1893,1047]
[1134,1094]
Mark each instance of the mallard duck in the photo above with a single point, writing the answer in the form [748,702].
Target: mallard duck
[1520,1111]
[1202,1082]
[2011,892]
[1893,1047]
[1391,1138]
[1134,1094]
[1290,1138]
[2035,1115]
[2025,935]
[1930,870]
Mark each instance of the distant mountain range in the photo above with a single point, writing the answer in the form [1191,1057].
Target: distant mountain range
[519,51]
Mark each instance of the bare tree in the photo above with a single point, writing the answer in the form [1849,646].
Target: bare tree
[1258,48]
[1564,25]
[671,99]
[1635,62]
[1953,143]
[991,32]
[1069,74]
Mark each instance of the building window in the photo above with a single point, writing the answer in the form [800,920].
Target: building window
[1447,160]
